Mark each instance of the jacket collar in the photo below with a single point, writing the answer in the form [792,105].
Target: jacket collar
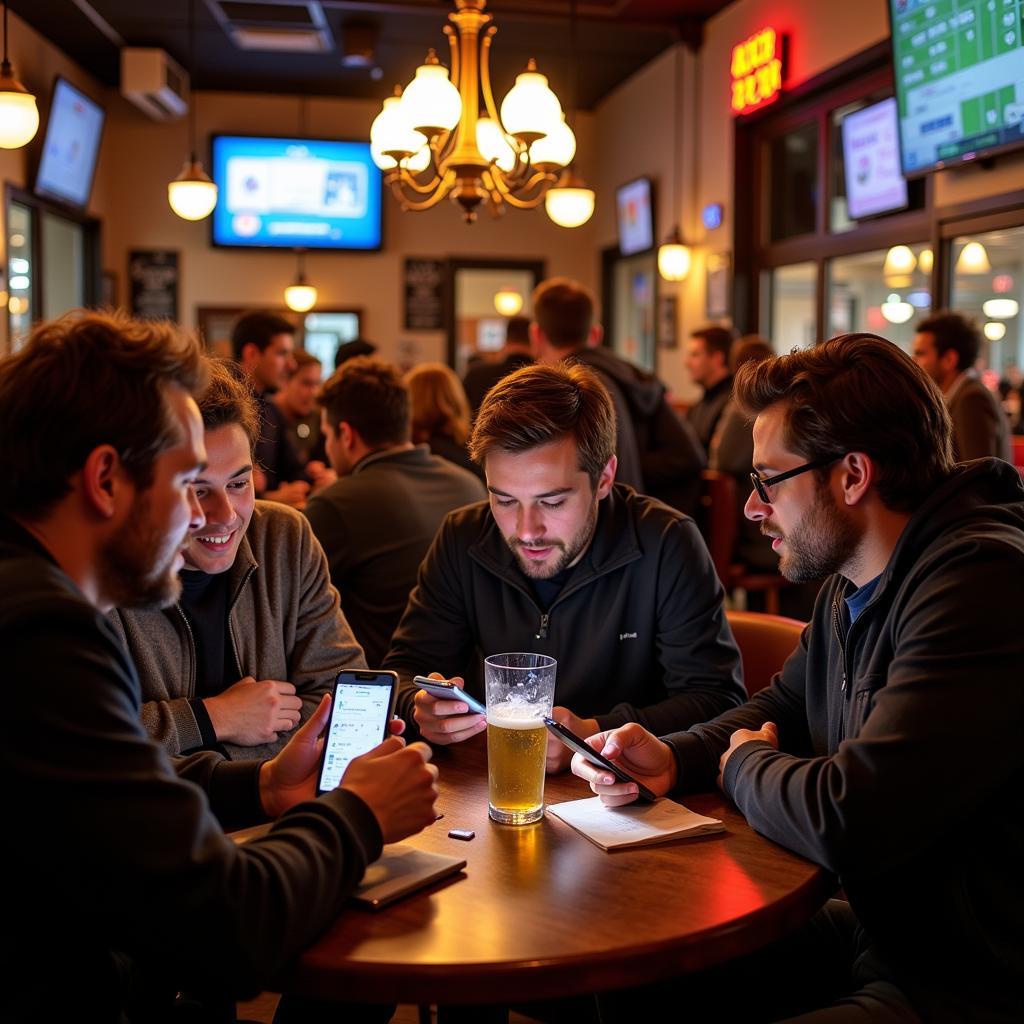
[13,534]
[418,454]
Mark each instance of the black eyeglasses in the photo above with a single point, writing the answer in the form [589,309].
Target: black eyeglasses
[761,484]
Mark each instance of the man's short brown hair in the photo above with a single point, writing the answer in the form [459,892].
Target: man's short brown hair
[229,399]
[954,331]
[368,395]
[538,405]
[858,393]
[716,339]
[85,380]
[564,310]
[258,329]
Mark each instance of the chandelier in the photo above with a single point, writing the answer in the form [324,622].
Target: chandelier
[433,142]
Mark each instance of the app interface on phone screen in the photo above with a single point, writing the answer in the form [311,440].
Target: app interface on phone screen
[357,725]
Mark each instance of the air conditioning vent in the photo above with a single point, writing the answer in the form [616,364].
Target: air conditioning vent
[154,83]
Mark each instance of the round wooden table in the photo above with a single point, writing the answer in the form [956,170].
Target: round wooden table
[542,912]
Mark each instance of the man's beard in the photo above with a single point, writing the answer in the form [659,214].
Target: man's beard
[136,566]
[569,550]
[823,542]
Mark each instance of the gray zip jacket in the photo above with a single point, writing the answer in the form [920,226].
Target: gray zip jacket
[284,620]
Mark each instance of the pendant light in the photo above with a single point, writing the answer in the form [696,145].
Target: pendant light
[569,202]
[300,295]
[19,115]
[674,255]
[192,194]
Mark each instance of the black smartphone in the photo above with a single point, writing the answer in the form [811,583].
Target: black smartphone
[444,690]
[363,704]
[580,746]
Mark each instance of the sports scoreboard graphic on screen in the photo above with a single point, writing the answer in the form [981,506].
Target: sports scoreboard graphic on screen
[959,69]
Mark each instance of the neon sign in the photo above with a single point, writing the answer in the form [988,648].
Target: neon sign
[757,70]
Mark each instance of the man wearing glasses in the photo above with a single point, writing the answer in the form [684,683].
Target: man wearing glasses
[888,748]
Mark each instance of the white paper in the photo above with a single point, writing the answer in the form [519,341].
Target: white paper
[635,824]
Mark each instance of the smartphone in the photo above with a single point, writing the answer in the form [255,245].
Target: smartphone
[444,690]
[363,704]
[580,746]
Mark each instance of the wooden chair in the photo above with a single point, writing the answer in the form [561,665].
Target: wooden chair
[720,515]
[765,642]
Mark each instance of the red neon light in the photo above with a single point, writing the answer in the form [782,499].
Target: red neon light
[757,71]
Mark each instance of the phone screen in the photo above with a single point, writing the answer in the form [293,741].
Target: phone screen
[359,719]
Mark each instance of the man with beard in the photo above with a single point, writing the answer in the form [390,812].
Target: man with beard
[115,854]
[894,726]
[616,586]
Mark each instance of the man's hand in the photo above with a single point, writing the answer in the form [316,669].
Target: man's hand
[398,784]
[250,712]
[293,493]
[559,755]
[290,778]
[636,750]
[445,721]
[768,732]
[321,475]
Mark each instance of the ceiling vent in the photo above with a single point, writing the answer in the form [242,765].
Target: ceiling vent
[154,82]
[275,27]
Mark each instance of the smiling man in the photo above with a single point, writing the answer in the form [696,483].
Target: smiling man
[895,724]
[258,636]
[617,587]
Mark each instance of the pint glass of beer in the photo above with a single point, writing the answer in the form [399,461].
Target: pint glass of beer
[520,691]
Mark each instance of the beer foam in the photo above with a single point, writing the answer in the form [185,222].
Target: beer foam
[516,716]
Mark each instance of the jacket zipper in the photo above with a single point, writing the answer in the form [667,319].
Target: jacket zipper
[844,689]
[231,607]
[192,649]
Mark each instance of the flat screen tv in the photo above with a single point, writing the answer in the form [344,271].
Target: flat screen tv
[871,161]
[959,74]
[635,216]
[295,193]
[70,147]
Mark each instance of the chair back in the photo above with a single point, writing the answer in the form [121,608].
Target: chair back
[765,642]
[718,499]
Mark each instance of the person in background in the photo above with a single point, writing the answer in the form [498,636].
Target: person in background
[257,637]
[657,453]
[516,352]
[888,748]
[121,857]
[440,413]
[946,347]
[707,362]
[297,400]
[263,345]
[616,586]
[378,519]
[352,350]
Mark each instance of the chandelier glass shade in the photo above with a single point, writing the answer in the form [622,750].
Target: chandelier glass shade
[442,137]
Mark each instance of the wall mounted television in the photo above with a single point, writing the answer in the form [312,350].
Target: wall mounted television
[959,75]
[70,147]
[871,161]
[295,193]
[635,213]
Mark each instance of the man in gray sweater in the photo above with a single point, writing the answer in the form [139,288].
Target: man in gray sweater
[257,636]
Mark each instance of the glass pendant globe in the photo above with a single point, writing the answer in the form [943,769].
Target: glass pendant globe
[192,194]
[995,331]
[674,261]
[494,145]
[973,259]
[390,134]
[530,110]
[900,259]
[508,302]
[1000,309]
[556,149]
[300,297]
[430,103]
[569,207]
[896,311]
[19,116]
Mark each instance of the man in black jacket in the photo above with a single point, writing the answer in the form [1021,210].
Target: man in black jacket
[120,862]
[888,749]
[617,587]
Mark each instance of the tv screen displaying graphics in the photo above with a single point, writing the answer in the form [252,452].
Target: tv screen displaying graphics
[295,193]
[635,216]
[959,73]
[70,147]
[871,161]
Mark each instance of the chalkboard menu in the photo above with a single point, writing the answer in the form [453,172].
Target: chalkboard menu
[424,294]
[153,283]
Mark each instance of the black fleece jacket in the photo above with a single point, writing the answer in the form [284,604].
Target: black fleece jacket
[638,631]
[901,760]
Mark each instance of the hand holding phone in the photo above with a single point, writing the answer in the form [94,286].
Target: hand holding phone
[581,747]
[445,690]
[434,712]
[363,704]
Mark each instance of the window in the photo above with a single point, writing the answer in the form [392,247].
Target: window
[792,294]
[793,173]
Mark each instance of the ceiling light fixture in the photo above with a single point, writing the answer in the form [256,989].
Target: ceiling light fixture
[896,311]
[508,302]
[973,259]
[19,115]
[674,255]
[995,331]
[1000,309]
[899,260]
[192,194]
[434,144]
[300,296]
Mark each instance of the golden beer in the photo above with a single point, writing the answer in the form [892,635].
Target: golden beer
[517,744]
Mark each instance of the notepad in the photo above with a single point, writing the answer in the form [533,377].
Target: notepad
[616,828]
[399,871]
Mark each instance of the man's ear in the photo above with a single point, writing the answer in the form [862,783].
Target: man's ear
[607,478]
[857,473]
[103,480]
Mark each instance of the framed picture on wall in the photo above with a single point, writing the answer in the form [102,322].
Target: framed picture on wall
[719,279]
[668,306]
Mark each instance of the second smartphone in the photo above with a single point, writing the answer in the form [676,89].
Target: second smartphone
[363,704]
